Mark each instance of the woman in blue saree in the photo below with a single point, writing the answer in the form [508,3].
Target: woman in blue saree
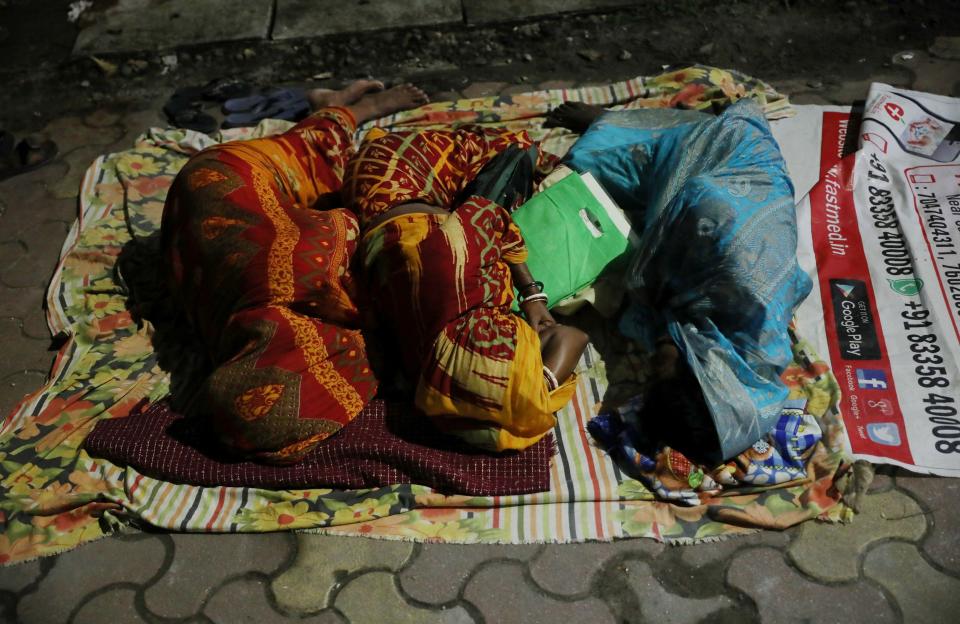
[715,280]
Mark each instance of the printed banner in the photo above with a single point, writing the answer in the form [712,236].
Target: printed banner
[880,235]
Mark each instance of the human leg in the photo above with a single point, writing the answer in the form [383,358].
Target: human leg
[310,158]
[379,104]
[323,98]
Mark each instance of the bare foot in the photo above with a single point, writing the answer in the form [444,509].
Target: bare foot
[401,97]
[575,116]
[320,98]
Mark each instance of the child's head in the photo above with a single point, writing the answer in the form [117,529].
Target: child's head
[674,410]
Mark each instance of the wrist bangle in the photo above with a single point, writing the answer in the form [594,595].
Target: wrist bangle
[537,297]
[551,379]
[539,286]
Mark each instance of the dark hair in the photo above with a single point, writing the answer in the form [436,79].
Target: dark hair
[675,413]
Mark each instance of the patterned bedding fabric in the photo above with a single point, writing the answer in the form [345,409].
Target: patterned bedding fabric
[387,443]
[56,496]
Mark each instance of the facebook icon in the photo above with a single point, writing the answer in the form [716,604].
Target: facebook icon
[871,379]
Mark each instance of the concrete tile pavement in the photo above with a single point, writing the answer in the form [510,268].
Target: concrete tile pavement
[128,25]
[940,501]
[204,563]
[483,11]
[314,18]
[898,561]
[923,593]
[322,566]
[830,551]
[782,594]
[436,576]
[131,25]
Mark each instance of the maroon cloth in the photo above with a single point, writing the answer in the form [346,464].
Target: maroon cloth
[386,444]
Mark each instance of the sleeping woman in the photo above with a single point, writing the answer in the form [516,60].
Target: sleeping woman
[715,280]
[441,262]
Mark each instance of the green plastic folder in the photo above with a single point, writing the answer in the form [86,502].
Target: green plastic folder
[574,231]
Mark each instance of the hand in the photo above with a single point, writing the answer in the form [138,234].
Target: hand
[537,315]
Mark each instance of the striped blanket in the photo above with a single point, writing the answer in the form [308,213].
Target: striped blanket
[56,496]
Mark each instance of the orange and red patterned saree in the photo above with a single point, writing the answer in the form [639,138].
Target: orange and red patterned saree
[264,275]
[442,283]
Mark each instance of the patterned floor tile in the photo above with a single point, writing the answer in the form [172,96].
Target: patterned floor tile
[923,593]
[201,562]
[501,593]
[373,598]
[322,561]
[15,578]
[831,552]
[781,594]
[436,575]
[80,572]
[941,498]
[246,601]
[114,605]
[633,590]
[569,569]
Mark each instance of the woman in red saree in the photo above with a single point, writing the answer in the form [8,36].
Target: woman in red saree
[259,255]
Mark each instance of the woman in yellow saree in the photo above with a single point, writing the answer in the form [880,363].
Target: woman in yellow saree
[440,269]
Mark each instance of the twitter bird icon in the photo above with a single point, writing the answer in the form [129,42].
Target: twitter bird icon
[886,433]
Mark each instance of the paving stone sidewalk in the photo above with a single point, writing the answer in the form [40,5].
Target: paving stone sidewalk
[132,25]
[898,561]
